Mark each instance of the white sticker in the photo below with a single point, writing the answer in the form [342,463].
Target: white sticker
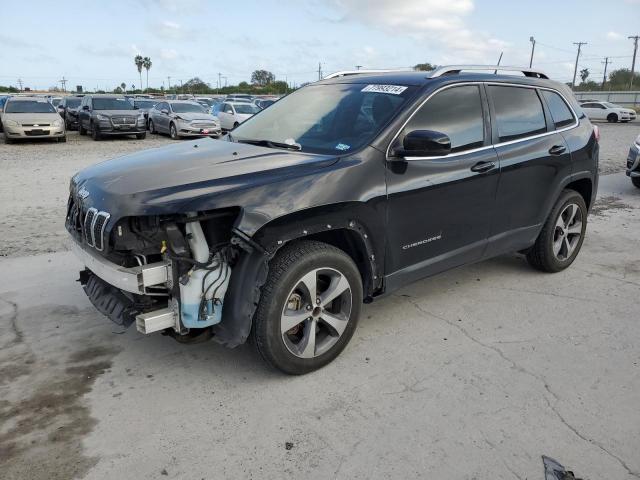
[342,146]
[392,89]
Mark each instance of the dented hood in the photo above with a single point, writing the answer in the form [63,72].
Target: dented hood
[169,179]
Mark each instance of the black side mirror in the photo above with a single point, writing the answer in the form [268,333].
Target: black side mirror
[165,111]
[424,143]
[86,107]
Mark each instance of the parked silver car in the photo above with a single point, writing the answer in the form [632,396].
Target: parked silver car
[181,118]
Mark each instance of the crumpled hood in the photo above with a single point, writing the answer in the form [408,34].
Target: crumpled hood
[164,180]
[189,116]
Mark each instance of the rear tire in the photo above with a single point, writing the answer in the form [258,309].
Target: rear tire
[560,240]
[635,181]
[173,131]
[612,118]
[141,136]
[314,333]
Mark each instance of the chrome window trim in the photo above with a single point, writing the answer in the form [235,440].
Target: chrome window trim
[493,145]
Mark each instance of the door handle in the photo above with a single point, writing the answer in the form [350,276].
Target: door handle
[482,167]
[557,150]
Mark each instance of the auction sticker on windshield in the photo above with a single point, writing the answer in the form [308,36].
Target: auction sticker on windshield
[392,89]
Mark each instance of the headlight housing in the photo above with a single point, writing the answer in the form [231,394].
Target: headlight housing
[11,123]
[102,117]
[57,123]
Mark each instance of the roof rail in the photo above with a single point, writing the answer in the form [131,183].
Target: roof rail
[346,73]
[455,69]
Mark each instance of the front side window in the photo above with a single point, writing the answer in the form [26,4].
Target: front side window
[456,112]
[29,106]
[333,118]
[519,112]
[560,112]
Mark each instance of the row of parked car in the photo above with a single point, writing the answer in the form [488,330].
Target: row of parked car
[102,115]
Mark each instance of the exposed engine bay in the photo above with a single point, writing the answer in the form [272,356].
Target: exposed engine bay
[165,273]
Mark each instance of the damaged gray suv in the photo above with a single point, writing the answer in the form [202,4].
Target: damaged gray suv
[338,194]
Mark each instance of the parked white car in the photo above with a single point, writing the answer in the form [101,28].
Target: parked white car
[608,111]
[232,114]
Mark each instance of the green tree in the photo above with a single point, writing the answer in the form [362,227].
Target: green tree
[196,85]
[424,67]
[262,77]
[146,63]
[584,73]
[139,61]
[619,79]
[123,86]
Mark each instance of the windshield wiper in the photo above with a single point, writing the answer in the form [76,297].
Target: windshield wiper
[272,144]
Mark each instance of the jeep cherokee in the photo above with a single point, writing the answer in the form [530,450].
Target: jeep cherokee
[340,193]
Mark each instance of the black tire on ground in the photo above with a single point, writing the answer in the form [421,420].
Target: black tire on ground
[235,125]
[95,132]
[62,139]
[635,181]
[152,128]
[81,130]
[286,270]
[541,255]
[173,131]
[612,118]
[7,140]
[141,136]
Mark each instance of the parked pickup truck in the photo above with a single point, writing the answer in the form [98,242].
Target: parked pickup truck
[338,194]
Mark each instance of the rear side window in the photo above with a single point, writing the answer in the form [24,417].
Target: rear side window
[519,112]
[560,111]
[456,112]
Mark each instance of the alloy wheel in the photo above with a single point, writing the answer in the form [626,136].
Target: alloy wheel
[567,232]
[316,312]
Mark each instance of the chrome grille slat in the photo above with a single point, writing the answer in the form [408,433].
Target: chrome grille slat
[90,224]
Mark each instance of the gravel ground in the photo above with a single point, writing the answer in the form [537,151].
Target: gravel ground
[34,184]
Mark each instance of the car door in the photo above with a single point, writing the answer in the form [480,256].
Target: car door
[226,116]
[84,114]
[534,157]
[439,209]
[593,110]
[163,117]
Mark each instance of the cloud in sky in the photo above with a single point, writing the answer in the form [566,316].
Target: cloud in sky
[614,36]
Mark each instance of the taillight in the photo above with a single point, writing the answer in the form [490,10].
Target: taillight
[596,132]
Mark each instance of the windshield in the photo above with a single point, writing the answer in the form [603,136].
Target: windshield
[144,103]
[111,104]
[187,108]
[246,109]
[56,101]
[29,106]
[73,102]
[327,119]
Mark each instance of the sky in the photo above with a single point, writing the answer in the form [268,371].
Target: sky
[94,45]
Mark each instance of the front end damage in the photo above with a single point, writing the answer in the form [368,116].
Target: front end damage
[167,273]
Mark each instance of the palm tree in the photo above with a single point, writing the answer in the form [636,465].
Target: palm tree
[146,63]
[139,61]
[123,86]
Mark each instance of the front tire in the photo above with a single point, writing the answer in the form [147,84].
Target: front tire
[309,307]
[7,140]
[62,139]
[152,128]
[141,136]
[612,118]
[561,238]
[173,131]
[95,133]
[236,125]
[635,181]
[81,129]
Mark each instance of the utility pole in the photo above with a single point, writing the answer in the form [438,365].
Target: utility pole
[169,82]
[633,62]
[533,49]
[20,83]
[63,82]
[575,70]
[219,82]
[319,71]
[604,77]
[358,67]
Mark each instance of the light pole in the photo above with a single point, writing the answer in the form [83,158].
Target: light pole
[533,48]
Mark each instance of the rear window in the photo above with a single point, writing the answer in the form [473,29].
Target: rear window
[519,112]
[29,106]
[560,111]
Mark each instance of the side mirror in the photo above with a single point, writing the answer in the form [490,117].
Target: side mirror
[164,111]
[86,107]
[424,143]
